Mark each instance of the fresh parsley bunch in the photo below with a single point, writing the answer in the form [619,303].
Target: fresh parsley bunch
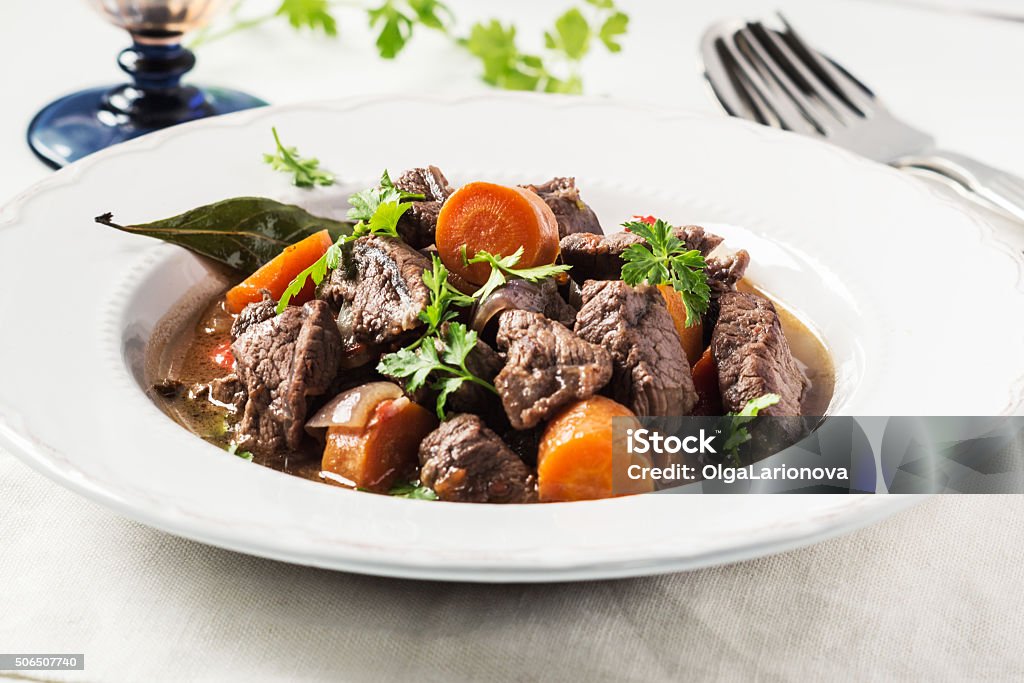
[665,260]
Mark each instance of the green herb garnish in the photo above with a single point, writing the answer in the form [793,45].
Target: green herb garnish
[735,432]
[665,260]
[365,203]
[418,363]
[306,171]
[412,490]
[383,223]
[443,296]
[503,267]
[233,450]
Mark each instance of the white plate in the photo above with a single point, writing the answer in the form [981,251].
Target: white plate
[910,293]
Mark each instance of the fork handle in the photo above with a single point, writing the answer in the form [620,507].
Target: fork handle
[995,187]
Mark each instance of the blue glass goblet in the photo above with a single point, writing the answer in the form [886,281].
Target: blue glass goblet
[84,122]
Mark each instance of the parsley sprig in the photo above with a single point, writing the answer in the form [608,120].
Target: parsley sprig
[503,267]
[444,369]
[365,203]
[665,260]
[735,431]
[306,171]
[443,297]
[398,19]
[568,42]
[394,22]
[383,222]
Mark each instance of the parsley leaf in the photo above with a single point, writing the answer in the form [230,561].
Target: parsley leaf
[503,266]
[412,490]
[398,20]
[365,203]
[614,26]
[307,172]
[572,35]
[665,260]
[735,432]
[233,450]
[314,14]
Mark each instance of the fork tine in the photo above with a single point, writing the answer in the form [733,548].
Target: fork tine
[851,91]
[745,76]
[818,115]
[804,75]
[738,100]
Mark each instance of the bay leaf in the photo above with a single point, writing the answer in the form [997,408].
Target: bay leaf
[242,232]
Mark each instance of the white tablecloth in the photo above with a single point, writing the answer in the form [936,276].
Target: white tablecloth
[934,593]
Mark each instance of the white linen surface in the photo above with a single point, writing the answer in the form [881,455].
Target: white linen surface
[934,593]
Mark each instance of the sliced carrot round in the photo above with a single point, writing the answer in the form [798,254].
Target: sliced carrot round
[277,274]
[497,219]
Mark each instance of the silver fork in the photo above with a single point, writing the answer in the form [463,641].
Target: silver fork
[773,77]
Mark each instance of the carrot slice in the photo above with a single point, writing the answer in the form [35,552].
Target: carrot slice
[277,274]
[705,381]
[375,456]
[574,461]
[500,220]
[691,338]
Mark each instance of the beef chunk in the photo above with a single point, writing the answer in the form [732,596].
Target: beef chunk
[725,271]
[572,214]
[464,461]
[378,292]
[696,237]
[229,392]
[547,367]
[418,225]
[599,257]
[596,257]
[753,356]
[650,372]
[282,362]
[254,314]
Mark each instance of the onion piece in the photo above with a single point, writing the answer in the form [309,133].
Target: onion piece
[512,296]
[353,409]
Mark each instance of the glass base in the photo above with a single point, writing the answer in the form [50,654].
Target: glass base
[84,122]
